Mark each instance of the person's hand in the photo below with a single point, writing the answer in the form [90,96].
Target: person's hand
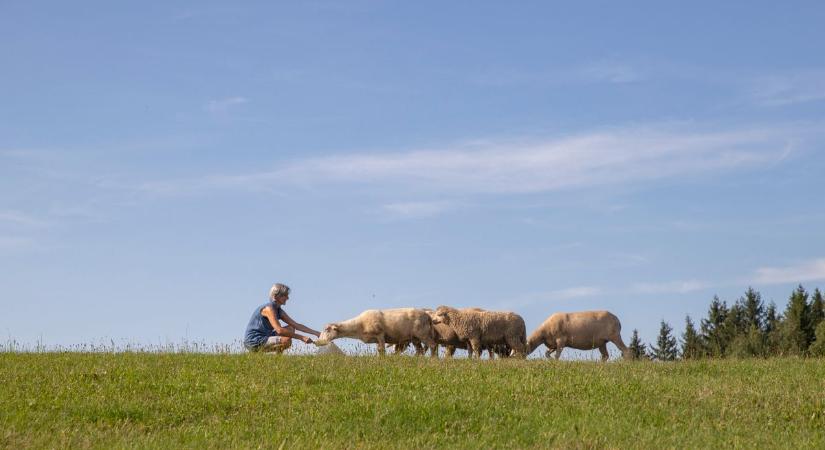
[306,339]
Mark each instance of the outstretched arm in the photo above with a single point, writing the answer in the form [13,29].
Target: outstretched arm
[269,313]
[300,327]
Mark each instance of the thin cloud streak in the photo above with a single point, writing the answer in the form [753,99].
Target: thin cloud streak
[612,157]
[15,242]
[790,88]
[575,292]
[609,71]
[612,72]
[813,270]
[21,219]
[410,210]
[223,105]
[807,271]
[571,293]
[673,287]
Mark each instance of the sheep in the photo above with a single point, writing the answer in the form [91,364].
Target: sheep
[584,330]
[479,329]
[400,326]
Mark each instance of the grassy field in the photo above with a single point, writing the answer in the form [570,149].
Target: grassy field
[77,400]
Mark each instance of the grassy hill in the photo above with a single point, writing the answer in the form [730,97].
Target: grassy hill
[146,400]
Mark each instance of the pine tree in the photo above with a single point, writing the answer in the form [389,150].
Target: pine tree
[735,322]
[749,344]
[818,346]
[817,309]
[692,346]
[796,331]
[665,349]
[713,328]
[754,309]
[638,350]
[772,331]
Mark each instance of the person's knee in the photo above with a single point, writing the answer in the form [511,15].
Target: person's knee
[277,344]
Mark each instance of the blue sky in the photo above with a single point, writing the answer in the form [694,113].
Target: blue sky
[161,166]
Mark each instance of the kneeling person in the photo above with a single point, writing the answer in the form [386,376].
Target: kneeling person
[265,331]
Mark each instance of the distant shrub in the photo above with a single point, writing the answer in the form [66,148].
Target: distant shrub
[818,347]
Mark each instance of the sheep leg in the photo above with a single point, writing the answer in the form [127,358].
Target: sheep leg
[551,347]
[603,351]
[450,351]
[420,348]
[433,346]
[559,346]
[515,347]
[381,345]
[475,344]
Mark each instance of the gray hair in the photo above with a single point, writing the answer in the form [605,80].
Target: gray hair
[277,290]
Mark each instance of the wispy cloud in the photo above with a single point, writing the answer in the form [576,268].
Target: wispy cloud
[789,88]
[15,242]
[29,155]
[224,104]
[670,287]
[575,292]
[409,210]
[612,71]
[571,293]
[586,292]
[813,270]
[599,158]
[20,218]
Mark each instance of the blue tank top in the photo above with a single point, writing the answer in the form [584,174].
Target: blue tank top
[259,329]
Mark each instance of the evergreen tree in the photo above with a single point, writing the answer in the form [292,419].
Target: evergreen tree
[638,350]
[749,344]
[754,309]
[771,319]
[817,309]
[713,328]
[665,349]
[796,330]
[818,347]
[772,331]
[735,324]
[692,345]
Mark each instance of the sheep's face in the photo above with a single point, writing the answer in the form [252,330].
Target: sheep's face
[441,316]
[532,343]
[330,332]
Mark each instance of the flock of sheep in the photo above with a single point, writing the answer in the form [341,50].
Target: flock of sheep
[501,333]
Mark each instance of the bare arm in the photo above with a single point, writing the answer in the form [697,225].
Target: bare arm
[300,327]
[269,313]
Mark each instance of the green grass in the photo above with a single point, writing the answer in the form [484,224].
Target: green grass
[144,400]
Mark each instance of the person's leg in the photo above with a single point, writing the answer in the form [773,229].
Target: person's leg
[276,344]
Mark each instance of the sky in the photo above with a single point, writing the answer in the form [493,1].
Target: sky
[161,165]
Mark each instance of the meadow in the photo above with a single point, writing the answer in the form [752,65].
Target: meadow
[201,400]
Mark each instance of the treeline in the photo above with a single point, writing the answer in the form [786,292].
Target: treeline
[747,328]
